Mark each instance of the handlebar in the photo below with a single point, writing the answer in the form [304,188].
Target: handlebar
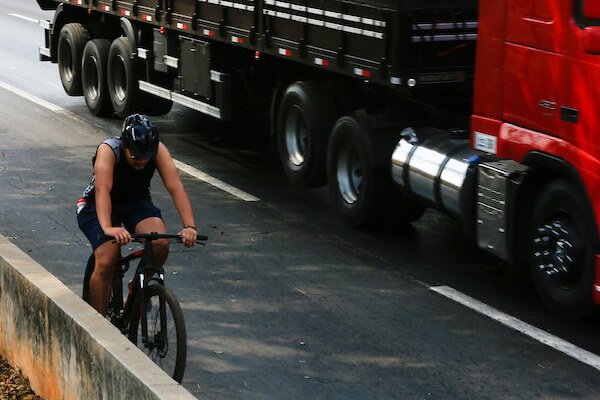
[154,236]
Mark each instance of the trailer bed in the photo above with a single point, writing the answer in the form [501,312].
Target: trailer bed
[396,43]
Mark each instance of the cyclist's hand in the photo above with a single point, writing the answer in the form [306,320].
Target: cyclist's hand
[188,236]
[121,235]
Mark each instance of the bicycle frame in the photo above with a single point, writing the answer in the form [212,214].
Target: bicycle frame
[136,286]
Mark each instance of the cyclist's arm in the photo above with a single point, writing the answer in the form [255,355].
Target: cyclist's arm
[103,172]
[170,177]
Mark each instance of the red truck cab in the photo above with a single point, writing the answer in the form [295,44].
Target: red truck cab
[537,93]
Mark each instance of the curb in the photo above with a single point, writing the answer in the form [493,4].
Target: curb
[65,348]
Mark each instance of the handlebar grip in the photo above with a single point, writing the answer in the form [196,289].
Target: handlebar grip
[202,237]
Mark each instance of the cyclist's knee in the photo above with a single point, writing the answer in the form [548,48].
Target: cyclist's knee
[161,247]
[105,266]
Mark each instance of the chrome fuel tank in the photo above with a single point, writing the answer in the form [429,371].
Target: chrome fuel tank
[434,165]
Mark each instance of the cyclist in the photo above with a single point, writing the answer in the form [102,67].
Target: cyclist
[119,195]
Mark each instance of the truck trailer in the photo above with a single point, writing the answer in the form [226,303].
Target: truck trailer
[484,110]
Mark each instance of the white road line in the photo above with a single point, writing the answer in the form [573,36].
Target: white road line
[541,336]
[40,102]
[219,184]
[35,21]
[188,169]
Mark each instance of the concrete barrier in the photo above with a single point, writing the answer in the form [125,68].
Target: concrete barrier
[65,348]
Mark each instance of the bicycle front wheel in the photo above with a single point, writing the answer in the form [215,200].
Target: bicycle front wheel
[166,343]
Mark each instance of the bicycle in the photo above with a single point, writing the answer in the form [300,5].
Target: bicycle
[151,311]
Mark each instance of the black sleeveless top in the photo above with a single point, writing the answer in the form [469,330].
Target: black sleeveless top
[128,184]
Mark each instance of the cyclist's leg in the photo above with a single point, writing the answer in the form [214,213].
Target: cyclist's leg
[160,246]
[107,258]
[145,217]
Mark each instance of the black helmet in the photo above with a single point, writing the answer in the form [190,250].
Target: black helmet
[140,136]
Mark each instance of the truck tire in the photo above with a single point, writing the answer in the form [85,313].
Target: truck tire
[305,118]
[94,77]
[122,78]
[71,41]
[562,249]
[362,193]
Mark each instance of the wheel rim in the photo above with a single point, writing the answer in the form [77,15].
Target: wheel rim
[296,137]
[349,173]
[119,77]
[91,77]
[557,249]
[66,59]
[157,347]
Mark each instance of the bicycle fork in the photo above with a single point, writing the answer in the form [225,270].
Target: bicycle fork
[144,304]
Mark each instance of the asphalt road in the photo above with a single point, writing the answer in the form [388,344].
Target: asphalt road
[285,302]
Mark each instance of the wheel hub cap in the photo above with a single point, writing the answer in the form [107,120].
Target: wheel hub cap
[349,174]
[296,138]
[556,249]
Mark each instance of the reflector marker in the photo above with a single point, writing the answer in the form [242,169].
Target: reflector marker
[106,8]
[147,18]
[208,32]
[323,62]
[126,13]
[182,26]
[79,2]
[285,52]
[237,39]
[365,73]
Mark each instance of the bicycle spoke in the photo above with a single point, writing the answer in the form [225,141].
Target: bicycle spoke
[166,347]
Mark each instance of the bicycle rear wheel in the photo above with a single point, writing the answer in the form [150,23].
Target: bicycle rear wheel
[166,344]
[89,270]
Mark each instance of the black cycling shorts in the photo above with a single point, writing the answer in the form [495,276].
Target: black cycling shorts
[126,214]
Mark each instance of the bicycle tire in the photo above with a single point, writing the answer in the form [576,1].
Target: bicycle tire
[115,305]
[160,348]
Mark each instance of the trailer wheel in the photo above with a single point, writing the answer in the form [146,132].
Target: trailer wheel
[363,193]
[306,116]
[71,41]
[561,255]
[94,77]
[122,79]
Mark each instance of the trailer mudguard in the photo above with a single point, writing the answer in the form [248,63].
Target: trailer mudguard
[129,32]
